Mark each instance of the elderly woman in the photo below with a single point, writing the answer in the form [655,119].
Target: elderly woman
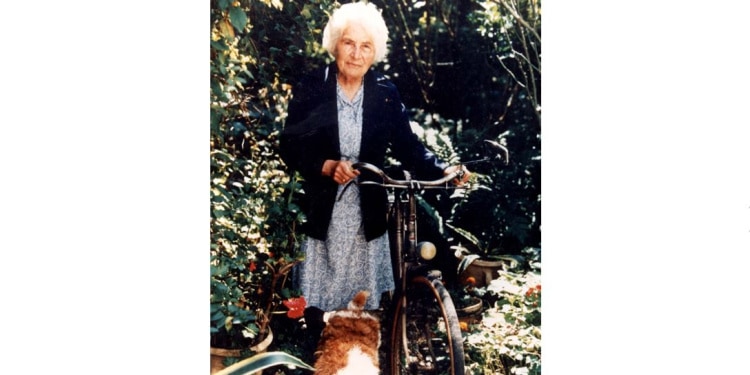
[340,114]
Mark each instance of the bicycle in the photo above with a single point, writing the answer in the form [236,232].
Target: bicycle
[424,334]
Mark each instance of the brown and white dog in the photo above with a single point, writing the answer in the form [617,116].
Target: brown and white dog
[350,341]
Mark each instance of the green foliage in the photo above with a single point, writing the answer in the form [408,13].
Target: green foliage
[470,70]
[262,361]
[251,240]
[256,46]
[507,340]
[510,34]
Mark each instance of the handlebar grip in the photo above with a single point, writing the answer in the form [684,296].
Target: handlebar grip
[368,166]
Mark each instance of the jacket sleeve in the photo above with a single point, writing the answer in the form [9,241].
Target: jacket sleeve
[304,138]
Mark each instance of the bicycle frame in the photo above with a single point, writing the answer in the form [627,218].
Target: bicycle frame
[410,270]
[424,328]
[404,252]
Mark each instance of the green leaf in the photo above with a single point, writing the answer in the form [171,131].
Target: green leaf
[285,293]
[223,4]
[220,289]
[249,74]
[306,11]
[245,316]
[219,45]
[218,317]
[238,18]
[467,235]
[263,361]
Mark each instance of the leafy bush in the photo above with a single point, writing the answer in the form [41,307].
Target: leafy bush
[252,227]
[508,338]
[256,46]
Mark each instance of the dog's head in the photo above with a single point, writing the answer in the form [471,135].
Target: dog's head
[349,341]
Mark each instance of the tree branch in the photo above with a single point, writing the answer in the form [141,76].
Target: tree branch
[520,19]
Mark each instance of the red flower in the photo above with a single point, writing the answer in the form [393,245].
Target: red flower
[253,266]
[296,307]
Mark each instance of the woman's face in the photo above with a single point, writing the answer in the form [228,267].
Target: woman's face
[355,52]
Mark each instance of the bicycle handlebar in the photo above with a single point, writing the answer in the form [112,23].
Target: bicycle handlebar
[501,152]
[416,184]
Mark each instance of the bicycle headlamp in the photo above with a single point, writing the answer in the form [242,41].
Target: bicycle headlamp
[426,250]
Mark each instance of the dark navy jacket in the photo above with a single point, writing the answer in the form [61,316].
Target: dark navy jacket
[310,137]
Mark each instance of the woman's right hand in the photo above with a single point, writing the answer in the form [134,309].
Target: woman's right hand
[340,171]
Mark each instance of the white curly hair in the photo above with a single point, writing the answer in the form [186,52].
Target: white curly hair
[362,13]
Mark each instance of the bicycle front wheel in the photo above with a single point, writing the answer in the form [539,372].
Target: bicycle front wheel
[425,334]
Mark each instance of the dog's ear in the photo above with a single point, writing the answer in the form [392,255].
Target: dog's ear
[358,302]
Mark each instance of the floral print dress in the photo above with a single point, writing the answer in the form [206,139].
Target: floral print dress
[336,269]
